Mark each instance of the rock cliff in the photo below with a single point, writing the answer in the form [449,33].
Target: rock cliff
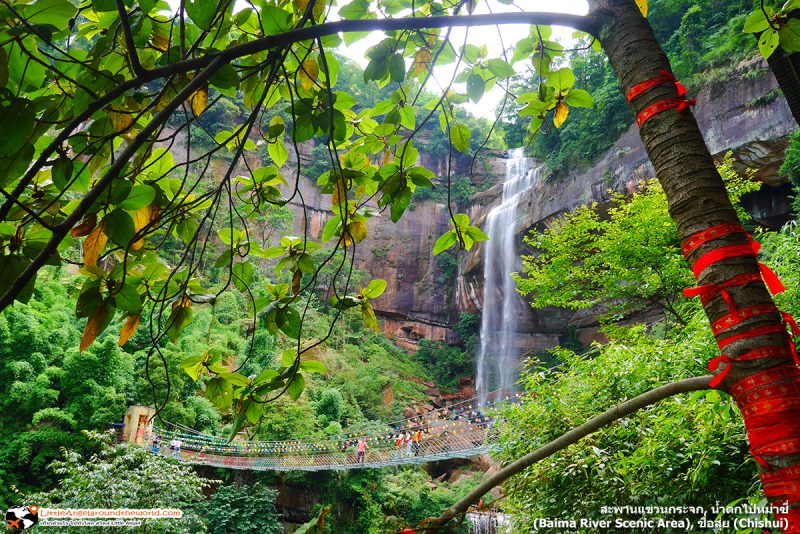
[744,113]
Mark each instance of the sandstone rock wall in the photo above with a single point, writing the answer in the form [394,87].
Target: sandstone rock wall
[745,113]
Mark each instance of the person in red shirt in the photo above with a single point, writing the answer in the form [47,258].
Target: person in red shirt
[362,449]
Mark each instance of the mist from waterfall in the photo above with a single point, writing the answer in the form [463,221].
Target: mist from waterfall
[498,359]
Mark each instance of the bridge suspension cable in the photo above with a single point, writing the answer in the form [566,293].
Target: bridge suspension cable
[460,430]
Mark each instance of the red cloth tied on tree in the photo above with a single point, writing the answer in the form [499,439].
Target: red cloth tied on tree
[770,404]
[755,354]
[710,234]
[781,487]
[740,315]
[708,291]
[750,249]
[679,104]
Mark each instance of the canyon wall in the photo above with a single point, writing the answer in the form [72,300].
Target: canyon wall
[744,113]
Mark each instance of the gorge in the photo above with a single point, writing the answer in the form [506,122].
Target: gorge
[750,118]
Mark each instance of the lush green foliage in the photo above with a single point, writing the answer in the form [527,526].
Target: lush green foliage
[448,363]
[685,450]
[791,169]
[697,35]
[125,476]
[624,260]
[249,508]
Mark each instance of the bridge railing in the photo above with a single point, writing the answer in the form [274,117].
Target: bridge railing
[431,448]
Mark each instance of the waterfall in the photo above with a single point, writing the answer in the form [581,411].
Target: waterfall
[498,359]
[487,523]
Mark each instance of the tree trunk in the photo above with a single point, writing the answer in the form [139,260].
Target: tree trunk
[697,201]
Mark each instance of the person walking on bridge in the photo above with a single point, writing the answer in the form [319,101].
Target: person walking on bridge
[417,441]
[399,445]
[362,450]
[409,442]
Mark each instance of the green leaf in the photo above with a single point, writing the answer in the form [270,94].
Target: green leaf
[757,21]
[407,118]
[296,386]
[475,233]
[278,152]
[445,241]
[201,12]
[193,365]
[288,320]
[266,375]
[229,236]
[790,36]
[128,298]
[254,410]
[397,68]
[242,276]
[10,269]
[236,379]
[409,154]
[561,79]
[49,12]
[119,227]
[768,42]
[139,197]
[225,77]
[16,115]
[374,289]
[179,318]
[313,366]
[220,392]
[578,98]
[475,87]
[368,315]
[358,9]
[377,69]
[329,231]
[288,357]
[459,136]
[275,20]
[500,68]
[399,205]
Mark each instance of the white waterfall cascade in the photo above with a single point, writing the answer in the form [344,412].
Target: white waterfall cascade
[498,359]
[488,523]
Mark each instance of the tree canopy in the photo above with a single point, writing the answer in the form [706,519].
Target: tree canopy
[154,145]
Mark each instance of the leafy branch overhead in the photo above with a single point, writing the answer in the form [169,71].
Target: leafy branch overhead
[130,163]
[775,28]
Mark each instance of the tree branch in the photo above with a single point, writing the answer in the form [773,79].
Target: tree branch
[60,231]
[285,39]
[129,44]
[573,436]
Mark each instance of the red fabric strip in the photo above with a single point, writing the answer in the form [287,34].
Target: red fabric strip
[662,78]
[739,316]
[790,519]
[710,234]
[678,104]
[762,379]
[755,354]
[755,332]
[719,254]
[708,291]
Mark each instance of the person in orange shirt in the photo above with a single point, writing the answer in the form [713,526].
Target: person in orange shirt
[399,445]
[417,440]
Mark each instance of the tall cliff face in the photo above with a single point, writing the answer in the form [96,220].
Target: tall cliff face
[419,301]
[744,113]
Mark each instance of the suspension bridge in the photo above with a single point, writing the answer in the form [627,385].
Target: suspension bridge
[461,430]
